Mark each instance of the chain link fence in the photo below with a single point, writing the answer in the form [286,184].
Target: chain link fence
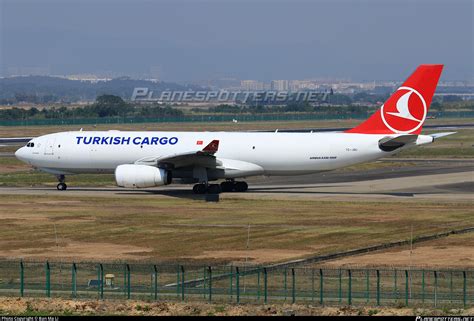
[239,284]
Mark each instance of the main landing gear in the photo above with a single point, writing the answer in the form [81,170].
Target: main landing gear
[62,185]
[227,186]
[233,186]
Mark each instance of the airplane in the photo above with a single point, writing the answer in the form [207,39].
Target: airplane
[141,159]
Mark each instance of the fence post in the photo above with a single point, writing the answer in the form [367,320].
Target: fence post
[367,285]
[258,284]
[321,286]
[423,286]
[436,289]
[74,280]
[237,283]
[125,280]
[22,279]
[285,283]
[349,290]
[210,283]
[128,282]
[451,287]
[204,282]
[378,287]
[293,286]
[406,287]
[155,274]
[265,285]
[48,280]
[101,280]
[98,281]
[182,283]
[231,281]
[464,289]
[312,285]
[177,281]
[395,286]
[340,286]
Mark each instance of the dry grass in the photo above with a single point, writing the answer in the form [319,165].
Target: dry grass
[164,228]
[454,251]
[58,307]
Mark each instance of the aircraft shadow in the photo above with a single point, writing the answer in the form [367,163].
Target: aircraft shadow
[188,194]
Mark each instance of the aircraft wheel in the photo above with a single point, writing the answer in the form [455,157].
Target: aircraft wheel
[241,186]
[214,189]
[61,186]
[199,189]
[227,186]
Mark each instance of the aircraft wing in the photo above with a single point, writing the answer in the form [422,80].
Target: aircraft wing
[14,141]
[204,158]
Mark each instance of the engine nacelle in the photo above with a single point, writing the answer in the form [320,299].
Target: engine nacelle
[139,176]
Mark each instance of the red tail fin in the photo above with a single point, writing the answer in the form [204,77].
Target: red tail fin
[405,111]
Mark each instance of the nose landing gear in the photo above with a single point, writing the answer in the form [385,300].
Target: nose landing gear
[62,185]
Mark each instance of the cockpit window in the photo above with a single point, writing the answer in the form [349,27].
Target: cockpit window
[30,145]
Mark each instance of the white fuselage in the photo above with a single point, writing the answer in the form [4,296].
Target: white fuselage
[240,154]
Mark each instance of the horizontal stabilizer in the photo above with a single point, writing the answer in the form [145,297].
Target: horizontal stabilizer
[439,135]
[389,144]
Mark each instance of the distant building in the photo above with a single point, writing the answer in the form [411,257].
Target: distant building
[297,85]
[252,85]
[88,78]
[279,85]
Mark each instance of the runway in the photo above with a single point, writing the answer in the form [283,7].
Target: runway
[442,180]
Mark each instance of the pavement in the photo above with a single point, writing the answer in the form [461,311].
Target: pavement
[448,179]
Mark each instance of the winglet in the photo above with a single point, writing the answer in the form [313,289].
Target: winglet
[212,147]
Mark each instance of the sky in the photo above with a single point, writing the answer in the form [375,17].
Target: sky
[259,39]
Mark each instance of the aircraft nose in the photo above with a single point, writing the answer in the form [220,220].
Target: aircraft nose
[21,154]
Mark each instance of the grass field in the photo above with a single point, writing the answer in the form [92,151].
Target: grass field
[153,227]
[453,251]
[34,307]
[33,131]
[150,228]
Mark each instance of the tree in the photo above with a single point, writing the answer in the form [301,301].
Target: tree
[110,105]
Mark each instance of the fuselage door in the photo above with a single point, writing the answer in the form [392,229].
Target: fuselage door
[49,147]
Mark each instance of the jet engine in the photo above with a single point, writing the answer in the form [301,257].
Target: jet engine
[138,176]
